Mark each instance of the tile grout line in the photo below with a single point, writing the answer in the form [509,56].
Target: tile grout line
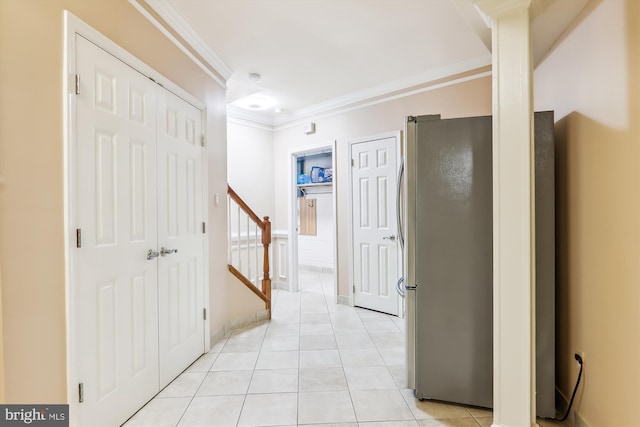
[387,367]
[299,357]
[192,397]
[255,364]
[353,406]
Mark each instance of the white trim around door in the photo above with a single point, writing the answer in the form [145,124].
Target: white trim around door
[292,214]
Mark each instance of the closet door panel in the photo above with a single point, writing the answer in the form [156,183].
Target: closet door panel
[180,207]
[114,316]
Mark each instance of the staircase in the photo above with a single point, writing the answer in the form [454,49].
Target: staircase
[248,254]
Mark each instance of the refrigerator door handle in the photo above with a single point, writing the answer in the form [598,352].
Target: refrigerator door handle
[399,287]
[399,205]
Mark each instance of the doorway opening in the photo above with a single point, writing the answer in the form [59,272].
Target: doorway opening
[312,213]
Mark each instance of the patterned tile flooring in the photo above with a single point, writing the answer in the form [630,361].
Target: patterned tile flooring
[316,363]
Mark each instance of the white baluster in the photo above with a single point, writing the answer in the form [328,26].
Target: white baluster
[248,251]
[238,240]
[229,241]
[255,251]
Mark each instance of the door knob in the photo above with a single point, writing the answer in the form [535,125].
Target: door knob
[392,237]
[164,251]
[152,254]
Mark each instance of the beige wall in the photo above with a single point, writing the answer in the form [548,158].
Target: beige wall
[470,98]
[250,166]
[31,178]
[242,303]
[2,392]
[592,81]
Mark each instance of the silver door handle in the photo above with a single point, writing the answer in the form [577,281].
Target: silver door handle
[399,205]
[164,251]
[392,237]
[152,254]
[399,287]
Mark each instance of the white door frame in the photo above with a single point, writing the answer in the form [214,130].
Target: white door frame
[74,26]
[393,134]
[293,213]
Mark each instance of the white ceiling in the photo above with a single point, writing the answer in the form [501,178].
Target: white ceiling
[318,54]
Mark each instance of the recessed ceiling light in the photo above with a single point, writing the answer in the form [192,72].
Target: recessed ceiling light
[256,102]
[255,77]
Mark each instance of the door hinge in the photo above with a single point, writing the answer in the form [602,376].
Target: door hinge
[204,228]
[78,237]
[81,392]
[204,314]
[202,140]
[77,84]
[353,163]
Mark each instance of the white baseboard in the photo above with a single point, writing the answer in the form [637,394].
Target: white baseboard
[217,336]
[344,300]
[578,421]
[244,321]
[238,323]
[316,268]
[574,419]
[281,286]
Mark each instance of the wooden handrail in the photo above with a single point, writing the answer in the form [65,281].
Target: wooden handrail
[265,227]
[245,207]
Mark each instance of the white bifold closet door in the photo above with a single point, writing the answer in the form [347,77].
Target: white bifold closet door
[180,290]
[137,319]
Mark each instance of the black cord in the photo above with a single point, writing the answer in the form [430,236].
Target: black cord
[575,389]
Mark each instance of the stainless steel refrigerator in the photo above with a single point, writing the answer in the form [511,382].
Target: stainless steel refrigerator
[447,255]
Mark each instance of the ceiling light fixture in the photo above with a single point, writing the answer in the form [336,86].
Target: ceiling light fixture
[256,102]
[255,77]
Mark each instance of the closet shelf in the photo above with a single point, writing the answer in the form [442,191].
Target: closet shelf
[315,184]
[316,188]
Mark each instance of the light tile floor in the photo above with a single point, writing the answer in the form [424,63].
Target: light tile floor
[316,363]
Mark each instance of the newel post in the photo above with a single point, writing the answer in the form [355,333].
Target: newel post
[266,279]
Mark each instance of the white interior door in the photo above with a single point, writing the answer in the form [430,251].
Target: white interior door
[375,247]
[115,308]
[180,273]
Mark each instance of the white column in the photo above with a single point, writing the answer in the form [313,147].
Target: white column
[513,214]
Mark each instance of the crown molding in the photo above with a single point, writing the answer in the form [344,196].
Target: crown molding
[390,97]
[253,119]
[264,120]
[496,8]
[476,19]
[384,90]
[237,120]
[362,99]
[174,19]
[161,27]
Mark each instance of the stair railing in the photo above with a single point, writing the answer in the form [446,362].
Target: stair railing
[248,253]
